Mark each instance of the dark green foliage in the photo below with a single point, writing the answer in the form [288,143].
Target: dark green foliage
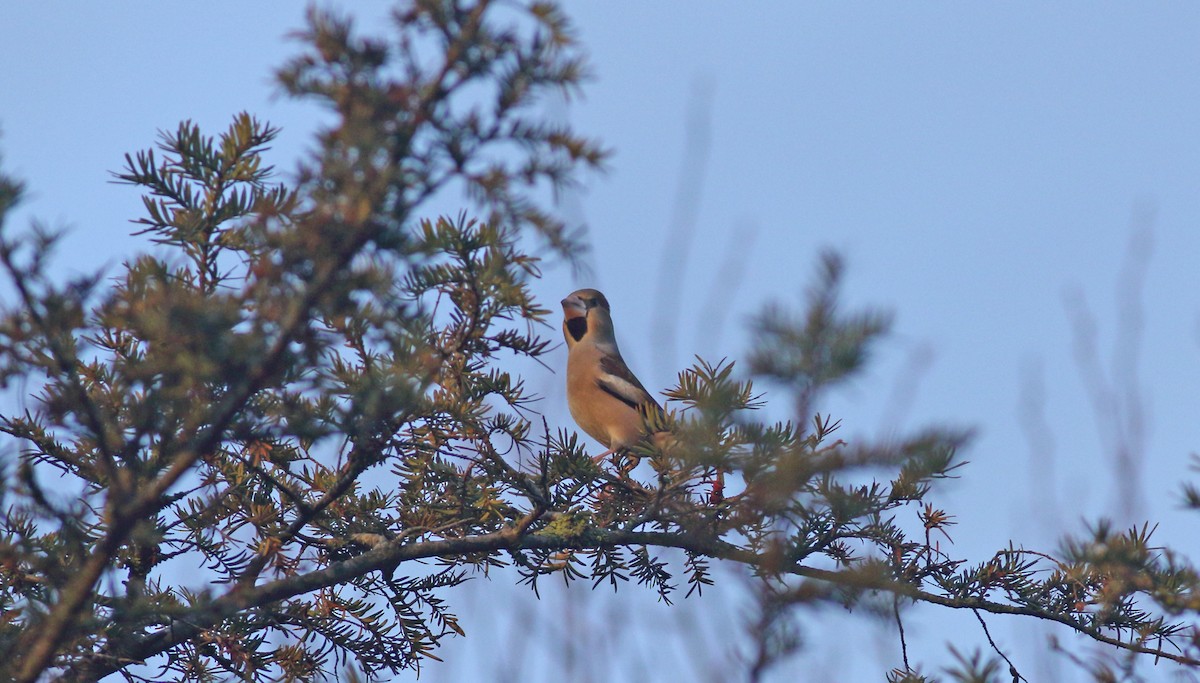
[304,396]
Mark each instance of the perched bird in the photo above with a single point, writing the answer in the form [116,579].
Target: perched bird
[606,399]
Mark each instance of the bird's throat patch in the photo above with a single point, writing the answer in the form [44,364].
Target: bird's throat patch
[577,327]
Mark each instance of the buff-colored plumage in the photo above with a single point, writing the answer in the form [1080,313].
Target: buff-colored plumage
[606,399]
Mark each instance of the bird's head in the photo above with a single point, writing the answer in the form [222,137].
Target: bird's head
[586,313]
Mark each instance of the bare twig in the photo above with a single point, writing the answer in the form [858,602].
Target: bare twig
[1012,669]
[900,626]
[681,235]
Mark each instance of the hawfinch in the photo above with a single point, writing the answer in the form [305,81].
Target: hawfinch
[605,398]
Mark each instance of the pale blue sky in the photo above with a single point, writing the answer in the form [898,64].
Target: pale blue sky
[974,162]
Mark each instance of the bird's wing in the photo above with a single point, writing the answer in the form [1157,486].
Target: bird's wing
[616,380]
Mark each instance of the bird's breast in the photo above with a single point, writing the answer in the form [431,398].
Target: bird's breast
[602,416]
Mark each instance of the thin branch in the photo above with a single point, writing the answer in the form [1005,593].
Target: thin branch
[681,235]
[44,641]
[67,364]
[387,556]
[900,626]
[1012,669]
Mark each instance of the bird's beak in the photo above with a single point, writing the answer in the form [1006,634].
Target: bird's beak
[574,307]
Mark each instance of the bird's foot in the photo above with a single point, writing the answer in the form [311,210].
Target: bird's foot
[600,458]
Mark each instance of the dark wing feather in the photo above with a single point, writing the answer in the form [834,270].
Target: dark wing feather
[617,381]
